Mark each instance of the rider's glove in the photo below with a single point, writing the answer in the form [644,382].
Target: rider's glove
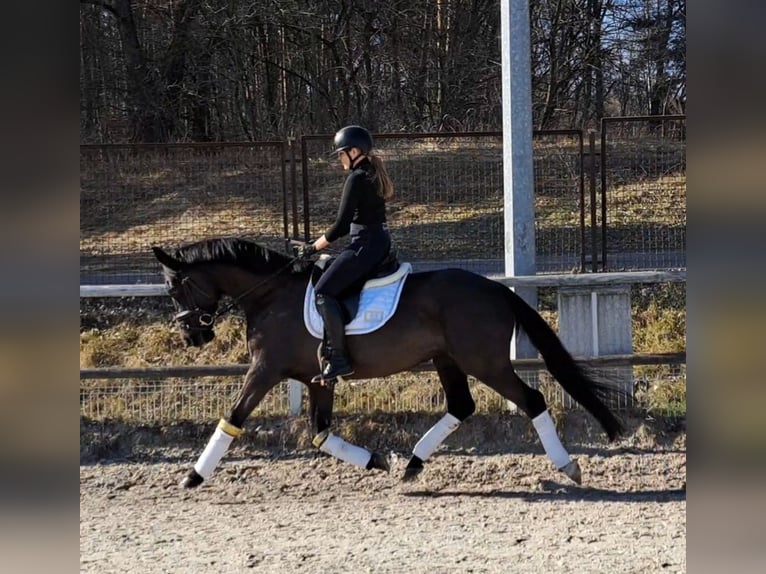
[305,251]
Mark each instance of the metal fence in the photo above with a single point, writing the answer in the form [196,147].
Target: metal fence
[136,196]
[643,184]
[165,400]
[209,398]
[448,208]
[157,391]
[448,204]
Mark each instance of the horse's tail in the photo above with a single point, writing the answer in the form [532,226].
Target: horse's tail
[581,386]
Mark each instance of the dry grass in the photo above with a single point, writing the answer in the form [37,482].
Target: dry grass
[659,200]
[659,318]
[661,390]
[159,344]
[413,227]
[137,334]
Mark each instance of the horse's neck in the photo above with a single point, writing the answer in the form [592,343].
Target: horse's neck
[237,282]
[233,281]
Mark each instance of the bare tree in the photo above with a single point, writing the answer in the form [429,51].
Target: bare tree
[202,70]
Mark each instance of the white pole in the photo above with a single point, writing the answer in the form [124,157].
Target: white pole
[594,321]
[294,396]
[518,177]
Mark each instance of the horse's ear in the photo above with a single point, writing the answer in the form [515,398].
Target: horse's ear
[166,259]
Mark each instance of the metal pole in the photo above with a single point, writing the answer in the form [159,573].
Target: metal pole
[593,219]
[604,123]
[294,187]
[581,150]
[518,181]
[305,169]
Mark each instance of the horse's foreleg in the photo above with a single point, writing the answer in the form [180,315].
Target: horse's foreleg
[460,406]
[320,407]
[258,382]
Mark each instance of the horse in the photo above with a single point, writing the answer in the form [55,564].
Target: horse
[459,320]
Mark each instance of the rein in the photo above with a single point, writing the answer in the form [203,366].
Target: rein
[207,320]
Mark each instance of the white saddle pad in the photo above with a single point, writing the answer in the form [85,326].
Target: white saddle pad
[377,304]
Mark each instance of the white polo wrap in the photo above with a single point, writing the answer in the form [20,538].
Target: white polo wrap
[546,430]
[340,449]
[213,453]
[435,436]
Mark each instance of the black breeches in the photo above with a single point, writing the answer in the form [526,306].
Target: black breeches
[354,265]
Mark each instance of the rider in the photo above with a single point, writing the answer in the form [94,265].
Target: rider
[362,212]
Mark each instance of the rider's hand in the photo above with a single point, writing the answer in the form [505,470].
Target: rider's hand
[305,251]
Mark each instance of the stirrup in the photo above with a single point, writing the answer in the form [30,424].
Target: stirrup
[328,375]
[320,380]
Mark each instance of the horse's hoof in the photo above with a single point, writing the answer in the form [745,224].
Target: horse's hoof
[411,473]
[378,461]
[572,470]
[192,480]
[414,468]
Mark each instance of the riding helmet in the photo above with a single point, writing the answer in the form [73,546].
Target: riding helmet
[352,136]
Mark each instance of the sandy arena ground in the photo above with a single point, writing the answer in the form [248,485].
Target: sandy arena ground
[467,512]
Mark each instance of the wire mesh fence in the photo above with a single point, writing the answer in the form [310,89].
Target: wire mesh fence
[169,400]
[448,208]
[658,388]
[560,201]
[448,211]
[643,177]
[136,196]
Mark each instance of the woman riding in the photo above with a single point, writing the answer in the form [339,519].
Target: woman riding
[362,213]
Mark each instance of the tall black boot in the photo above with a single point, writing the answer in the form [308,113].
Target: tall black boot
[338,362]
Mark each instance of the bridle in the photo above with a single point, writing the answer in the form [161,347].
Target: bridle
[196,318]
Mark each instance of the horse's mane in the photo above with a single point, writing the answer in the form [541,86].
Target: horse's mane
[235,250]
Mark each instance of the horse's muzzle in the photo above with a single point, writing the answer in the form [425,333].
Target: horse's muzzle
[196,327]
[198,337]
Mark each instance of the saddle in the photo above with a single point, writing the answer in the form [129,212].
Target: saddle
[349,298]
[366,306]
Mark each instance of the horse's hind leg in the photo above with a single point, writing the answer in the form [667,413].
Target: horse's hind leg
[320,408]
[460,406]
[532,403]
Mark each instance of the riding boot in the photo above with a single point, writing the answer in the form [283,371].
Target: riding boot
[338,363]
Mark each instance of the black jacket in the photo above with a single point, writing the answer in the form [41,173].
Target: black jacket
[361,203]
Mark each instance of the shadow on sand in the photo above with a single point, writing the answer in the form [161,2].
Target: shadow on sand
[554,491]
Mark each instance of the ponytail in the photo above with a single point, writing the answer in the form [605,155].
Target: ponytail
[385,185]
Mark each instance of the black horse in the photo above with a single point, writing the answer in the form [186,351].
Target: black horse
[461,321]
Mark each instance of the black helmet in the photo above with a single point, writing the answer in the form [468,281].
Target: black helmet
[352,136]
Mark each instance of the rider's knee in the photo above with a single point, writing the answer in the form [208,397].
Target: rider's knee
[323,299]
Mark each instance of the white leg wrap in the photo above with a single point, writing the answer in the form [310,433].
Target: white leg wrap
[339,448]
[550,439]
[213,453]
[435,436]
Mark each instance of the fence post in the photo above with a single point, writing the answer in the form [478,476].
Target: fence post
[294,396]
[595,321]
[592,190]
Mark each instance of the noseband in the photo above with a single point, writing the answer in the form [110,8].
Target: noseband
[194,319]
